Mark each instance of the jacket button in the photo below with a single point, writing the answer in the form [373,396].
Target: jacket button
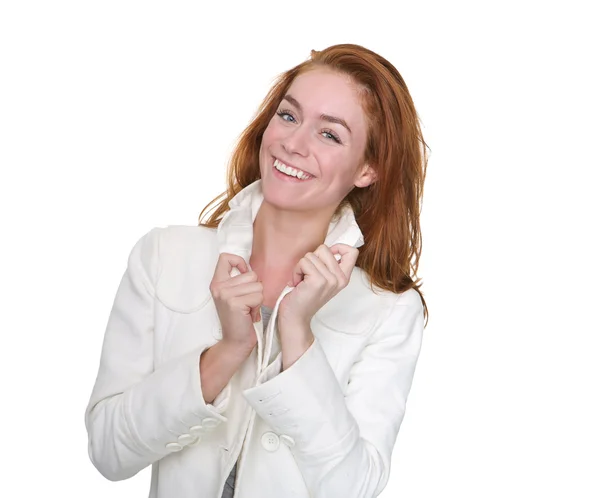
[197,430]
[209,423]
[173,447]
[195,441]
[270,441]
[287,440]
[185,439]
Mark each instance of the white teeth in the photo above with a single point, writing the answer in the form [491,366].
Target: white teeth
[290,171]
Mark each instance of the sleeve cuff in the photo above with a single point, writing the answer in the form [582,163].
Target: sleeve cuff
[305,403]
[222,400]
[162,417]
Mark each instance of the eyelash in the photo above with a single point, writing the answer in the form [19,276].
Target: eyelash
[285,111]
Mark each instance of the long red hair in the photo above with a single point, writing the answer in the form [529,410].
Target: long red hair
[388,210]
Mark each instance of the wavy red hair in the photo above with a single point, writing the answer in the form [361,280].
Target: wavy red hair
[387,211]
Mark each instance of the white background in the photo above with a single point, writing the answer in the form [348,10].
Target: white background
[118,116]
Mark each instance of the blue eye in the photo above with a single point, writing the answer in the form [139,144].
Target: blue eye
[333,136]
[285,113]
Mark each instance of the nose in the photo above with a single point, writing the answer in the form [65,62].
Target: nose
[296,141]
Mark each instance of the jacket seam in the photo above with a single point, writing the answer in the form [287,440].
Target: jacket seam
[130,425]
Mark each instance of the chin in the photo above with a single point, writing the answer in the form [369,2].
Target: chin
[276,197]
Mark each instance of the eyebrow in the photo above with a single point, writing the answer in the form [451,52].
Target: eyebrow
[324,117]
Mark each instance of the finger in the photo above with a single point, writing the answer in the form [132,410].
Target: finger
[304,268]
[323,268]
[255,314]
[231,293]
[226,263]
[349,256]
[297,275]
[240,279]
[329,259]
[248,302]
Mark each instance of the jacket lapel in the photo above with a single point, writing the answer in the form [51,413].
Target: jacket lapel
[235,235]
[235,231]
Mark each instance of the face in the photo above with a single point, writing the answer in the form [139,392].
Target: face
[320,130]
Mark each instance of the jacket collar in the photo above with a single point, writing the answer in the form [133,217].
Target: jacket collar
[235,231]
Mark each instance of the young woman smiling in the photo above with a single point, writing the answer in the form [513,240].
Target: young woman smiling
[270,350]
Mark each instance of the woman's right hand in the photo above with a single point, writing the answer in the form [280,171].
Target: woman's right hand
[237,299]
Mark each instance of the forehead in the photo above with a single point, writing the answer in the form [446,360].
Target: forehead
[324,91]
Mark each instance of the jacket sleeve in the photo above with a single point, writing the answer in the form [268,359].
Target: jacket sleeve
[343,443]
[137,414]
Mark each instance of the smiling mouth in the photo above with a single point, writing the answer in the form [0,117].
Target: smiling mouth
[290,171]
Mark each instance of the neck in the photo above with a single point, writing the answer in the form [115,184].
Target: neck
[282,238]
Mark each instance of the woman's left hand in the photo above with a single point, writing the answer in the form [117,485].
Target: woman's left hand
[317,277]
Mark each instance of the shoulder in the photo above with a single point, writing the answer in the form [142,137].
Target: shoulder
[360,309]
[410,299]
[361,287]
[180,257]
[165,245]
[183,241]
[171,236]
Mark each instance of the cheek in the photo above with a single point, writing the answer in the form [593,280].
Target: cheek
[336,167]
[271,133]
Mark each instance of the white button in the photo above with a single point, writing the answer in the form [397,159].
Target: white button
[195,441]
[287,440]
[197,430]
[185,439]
[209,423]
[270,441]
[173,446]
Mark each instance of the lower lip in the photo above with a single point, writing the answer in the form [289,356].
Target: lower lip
[283,176]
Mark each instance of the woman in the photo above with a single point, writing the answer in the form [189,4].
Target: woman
[262,349]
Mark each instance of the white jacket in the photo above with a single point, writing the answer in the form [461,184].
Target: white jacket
[323,428]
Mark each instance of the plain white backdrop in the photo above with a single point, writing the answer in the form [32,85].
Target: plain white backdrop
[119,116]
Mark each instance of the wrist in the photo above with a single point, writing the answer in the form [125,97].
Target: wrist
[237,348]
[296,323]
[295,331]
